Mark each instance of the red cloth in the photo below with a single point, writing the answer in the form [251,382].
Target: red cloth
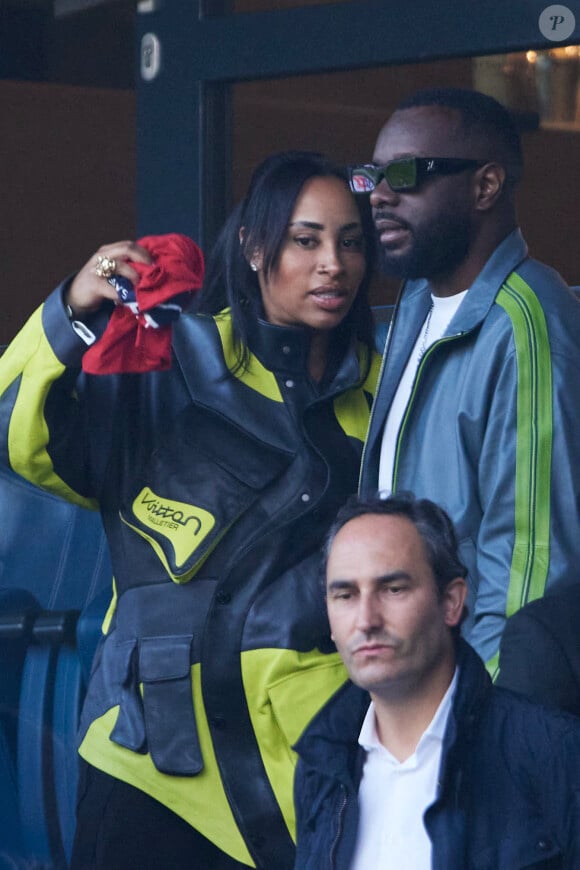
[129,343]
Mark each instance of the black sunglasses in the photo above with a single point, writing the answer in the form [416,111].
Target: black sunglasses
[407,173]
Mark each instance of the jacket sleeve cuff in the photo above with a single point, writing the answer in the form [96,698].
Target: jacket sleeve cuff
[68,338]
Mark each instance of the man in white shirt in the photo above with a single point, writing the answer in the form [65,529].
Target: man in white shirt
[477,406]
[441,769]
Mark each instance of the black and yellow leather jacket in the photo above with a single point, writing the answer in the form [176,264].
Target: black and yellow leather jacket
[215,489]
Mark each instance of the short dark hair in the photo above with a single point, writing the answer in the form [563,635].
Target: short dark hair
[431,521]
[482,117]
[264,215]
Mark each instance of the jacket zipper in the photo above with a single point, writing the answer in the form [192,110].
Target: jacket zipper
[340,820]
[418,374]
[379,379]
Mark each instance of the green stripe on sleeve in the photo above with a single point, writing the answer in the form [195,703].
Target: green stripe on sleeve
[492,666]
[531,555]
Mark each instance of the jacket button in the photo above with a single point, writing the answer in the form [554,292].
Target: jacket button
[289,383]
[223,598]
[305,496]
[544,845]
[286,349]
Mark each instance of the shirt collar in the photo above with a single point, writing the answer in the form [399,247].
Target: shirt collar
[369,740]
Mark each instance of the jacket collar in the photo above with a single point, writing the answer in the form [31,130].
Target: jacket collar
[279,348]
[330,743]
[285,351]
[282,350]
[473,687]
[507,256]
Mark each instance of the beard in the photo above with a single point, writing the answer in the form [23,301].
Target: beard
[436,249]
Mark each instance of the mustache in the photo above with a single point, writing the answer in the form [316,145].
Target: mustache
[382,215]
[381,638]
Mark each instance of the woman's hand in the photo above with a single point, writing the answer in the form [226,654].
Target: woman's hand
[89,288]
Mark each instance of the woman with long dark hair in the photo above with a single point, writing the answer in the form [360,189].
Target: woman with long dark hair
[216,477]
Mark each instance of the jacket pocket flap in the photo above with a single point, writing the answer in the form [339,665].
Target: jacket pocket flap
[243,455]
[164,658]
[527,849]
[119,660]
[187,497]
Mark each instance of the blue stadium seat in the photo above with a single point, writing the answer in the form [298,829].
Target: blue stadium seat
[10,830]
[53,549]
[54,559]
[18,609]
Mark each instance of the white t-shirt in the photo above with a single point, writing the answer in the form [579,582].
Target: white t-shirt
[393,796]
[438,319]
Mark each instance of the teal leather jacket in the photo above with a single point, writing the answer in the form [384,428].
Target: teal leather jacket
[491,431]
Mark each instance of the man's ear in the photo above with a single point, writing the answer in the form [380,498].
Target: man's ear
[490,181]
[454,596]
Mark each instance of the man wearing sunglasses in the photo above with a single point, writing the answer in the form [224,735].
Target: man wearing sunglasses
[477,407]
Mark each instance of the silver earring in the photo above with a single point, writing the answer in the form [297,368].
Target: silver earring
[254,266]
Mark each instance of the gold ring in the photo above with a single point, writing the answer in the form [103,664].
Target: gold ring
[106,266]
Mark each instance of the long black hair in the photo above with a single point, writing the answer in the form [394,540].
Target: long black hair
[260,223]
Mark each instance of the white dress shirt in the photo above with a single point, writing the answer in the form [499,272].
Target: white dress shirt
[393,797]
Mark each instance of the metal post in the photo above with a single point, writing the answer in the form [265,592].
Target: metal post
[183,143]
